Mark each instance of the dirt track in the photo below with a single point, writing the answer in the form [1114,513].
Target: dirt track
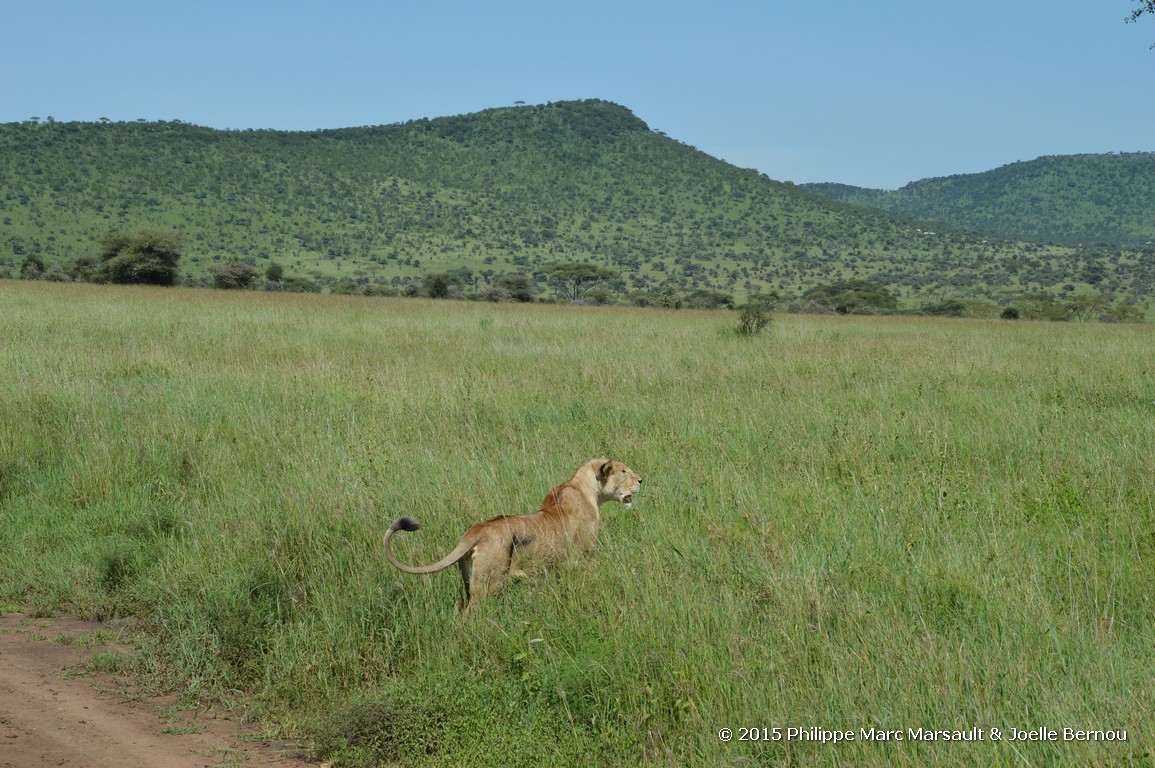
[50,716]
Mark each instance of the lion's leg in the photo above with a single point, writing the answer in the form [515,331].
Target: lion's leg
[465,565]
[489,566]
[514,570]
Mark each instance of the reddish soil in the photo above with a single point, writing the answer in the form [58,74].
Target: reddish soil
[55,711]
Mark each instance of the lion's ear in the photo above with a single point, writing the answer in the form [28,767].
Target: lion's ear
[605,469]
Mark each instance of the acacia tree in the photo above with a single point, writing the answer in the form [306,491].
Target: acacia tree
[1145,6]
[148,255]
[853,297]
[519,286]
[575,280]
[443,285]
[236,275]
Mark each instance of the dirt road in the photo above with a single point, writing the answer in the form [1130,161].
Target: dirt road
[52,716]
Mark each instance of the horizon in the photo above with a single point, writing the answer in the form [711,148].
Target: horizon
[49,119]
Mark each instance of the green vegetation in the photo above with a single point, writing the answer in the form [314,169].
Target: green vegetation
[1145,6]
[236,275]
[852,297]
[575,281]
[149,255]
[846,523]
[753,320]
[511,191]
[1070,199]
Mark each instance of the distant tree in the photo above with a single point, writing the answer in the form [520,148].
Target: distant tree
[705,298]
[148,255]
[347,287]
[1094,273]
[440,285]
[56,274]
[669,299]
[275,273]
[495,293]
[32,268]
[948,308]
[599,297]
[1042,306]
[766,300]
[86,269]
[853,297]
[753,320]
[574,280]
[299,285]
[1086,308]
[1124,313]
[518,286]
[235,275]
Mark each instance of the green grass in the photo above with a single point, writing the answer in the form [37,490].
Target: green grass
[846,523]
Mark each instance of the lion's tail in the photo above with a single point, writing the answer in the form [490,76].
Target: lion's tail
[405,523]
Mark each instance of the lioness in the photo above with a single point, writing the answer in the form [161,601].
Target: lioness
[568,520]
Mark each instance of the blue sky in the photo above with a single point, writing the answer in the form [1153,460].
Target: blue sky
[872,94]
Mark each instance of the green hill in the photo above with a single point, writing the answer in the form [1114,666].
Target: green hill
[1068,199]
[503,191]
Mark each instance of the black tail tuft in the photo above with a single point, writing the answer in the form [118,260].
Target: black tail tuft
[404,523]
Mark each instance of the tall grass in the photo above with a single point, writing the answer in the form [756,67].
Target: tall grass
[845,523]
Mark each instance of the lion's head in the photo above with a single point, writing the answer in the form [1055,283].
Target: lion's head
[619,482]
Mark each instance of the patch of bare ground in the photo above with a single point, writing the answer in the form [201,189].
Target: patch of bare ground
[56,710]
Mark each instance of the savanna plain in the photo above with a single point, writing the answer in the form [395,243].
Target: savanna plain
[846,524]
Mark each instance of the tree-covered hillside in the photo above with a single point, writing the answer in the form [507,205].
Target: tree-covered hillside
[1068,199]
[504,191]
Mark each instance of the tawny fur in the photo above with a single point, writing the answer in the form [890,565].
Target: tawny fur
[567,522]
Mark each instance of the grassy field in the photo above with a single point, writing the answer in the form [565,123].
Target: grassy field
[846,524]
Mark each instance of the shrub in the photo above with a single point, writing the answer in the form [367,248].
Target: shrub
[495,293]
[598,297]
[299,285]
[32,268]
[375,733]
[438,285]
[704,298]
[753,320]
[56,274]
[811,308]
[86,269]
[853,297]
[148,255]
[669,299]
[769,300]
[1124,313]
[948,308]
[234,276]
[518,286]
